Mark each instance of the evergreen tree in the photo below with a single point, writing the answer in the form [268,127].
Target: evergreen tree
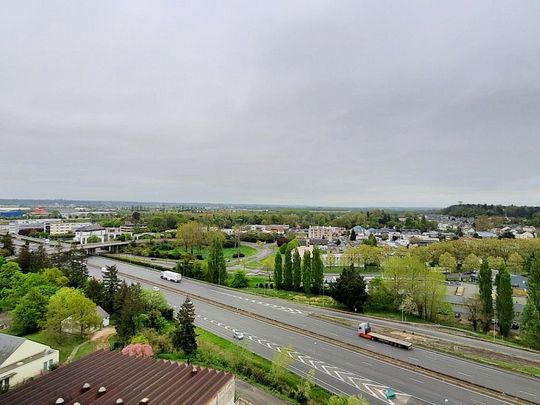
[278,271]
[297,270]
[531,313]
[217,270]
[504,303]
[25,258]
[94,291]
[350,289]
[485,289]
[287,271]
[7,243]
[131,306]
[317,271]
[306,272]
[40,259]
[184,336]
[111,284]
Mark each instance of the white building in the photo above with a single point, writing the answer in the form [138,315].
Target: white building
[324,232]
[82,234]
[22,359]
[40,224]
[59,228]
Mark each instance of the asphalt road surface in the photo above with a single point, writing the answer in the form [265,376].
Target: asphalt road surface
[338,369]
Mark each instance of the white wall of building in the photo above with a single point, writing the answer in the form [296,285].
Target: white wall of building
[29,360]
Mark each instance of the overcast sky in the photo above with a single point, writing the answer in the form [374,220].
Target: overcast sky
[343,103]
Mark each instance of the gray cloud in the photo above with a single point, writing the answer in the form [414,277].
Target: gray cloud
[309,102]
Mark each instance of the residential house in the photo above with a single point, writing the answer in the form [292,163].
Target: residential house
[22,359]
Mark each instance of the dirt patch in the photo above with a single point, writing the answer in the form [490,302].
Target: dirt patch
[101,337]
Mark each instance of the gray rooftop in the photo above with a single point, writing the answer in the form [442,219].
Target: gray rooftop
[90,228]
[8,345]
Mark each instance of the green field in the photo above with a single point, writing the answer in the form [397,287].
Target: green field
[65,347]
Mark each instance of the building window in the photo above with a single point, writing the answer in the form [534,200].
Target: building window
[4,384]
[50,363]
[45,365]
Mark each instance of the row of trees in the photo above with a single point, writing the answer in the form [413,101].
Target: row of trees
[293,273]
[458,255]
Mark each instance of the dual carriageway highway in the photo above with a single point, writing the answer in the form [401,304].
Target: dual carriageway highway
[338,368]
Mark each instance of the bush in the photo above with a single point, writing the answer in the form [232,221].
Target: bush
[239,279]
[237,255]
[271,285]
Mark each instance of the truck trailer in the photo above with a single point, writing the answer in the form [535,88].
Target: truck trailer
[364,330]
[171,276]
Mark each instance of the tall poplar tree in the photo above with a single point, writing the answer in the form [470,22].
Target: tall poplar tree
[306,272]
[485,287]
[504,302]
[217,269]
[287,271]
[317,271]
[531,313]
[297,270]
[278,271]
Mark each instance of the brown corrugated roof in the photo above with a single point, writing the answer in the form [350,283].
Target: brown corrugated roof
[126,377]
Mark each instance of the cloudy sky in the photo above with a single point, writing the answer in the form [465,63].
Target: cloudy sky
[344,103]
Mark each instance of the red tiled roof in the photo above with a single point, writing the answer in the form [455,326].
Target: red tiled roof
[126,377]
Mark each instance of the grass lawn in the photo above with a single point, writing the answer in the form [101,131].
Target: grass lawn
[65,347]
[86,349]
[204,252]
[216,352]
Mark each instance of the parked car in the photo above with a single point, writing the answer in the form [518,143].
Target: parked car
[238,335]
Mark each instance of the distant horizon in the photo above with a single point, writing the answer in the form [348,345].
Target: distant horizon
[240,205]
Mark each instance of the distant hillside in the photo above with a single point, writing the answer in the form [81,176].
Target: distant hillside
[475,210]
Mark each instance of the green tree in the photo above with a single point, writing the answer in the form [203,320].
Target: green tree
[30,312]
[380,298]
[130,306]
[471,262]
[71,303]
[350,289]
[239,279]
[370,241]
[278,271]
[495,262]
[25,258]
[7,243]
[504,303]
[317,271]
[475,309]
[447,261]
[93,239]
[11,278]
[531,313]
[287,271]
[307,280]
[73,264]
[486,293]
[191,235]
[94,291]
[217,270]
[55,276]
[110,285]
[515,263]
[184,337]
[296,270]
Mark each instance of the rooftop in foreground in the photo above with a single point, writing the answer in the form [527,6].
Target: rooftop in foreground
[113,378]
